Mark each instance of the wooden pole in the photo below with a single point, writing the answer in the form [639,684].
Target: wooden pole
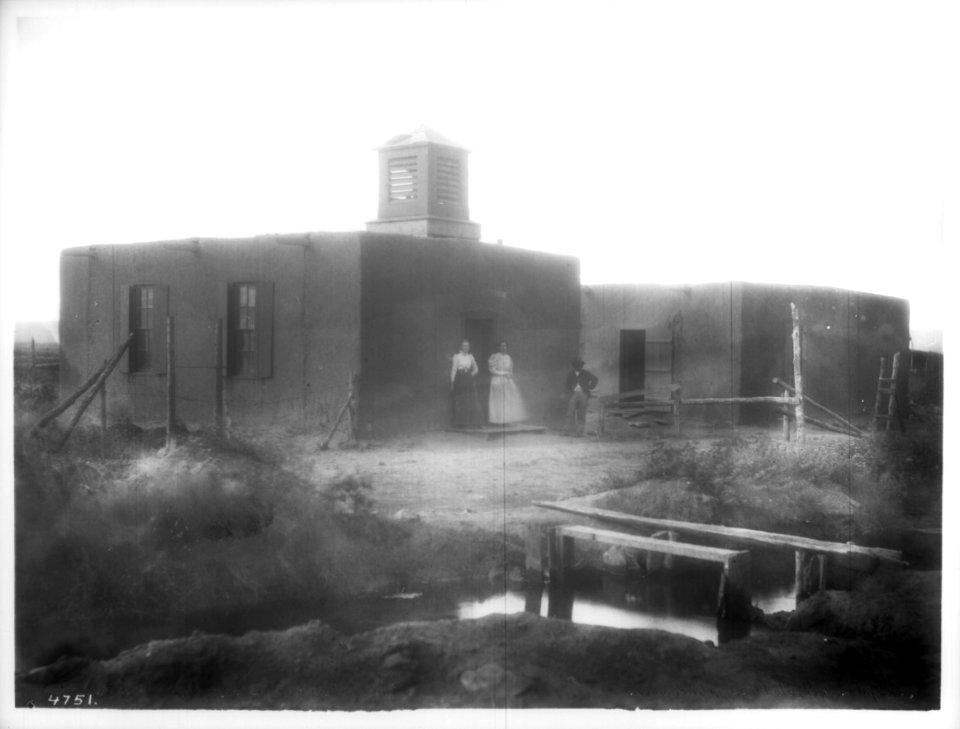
[797,374]
[676,413]
[534,555]
[799,560]
[103,421]
[352,428]
[326,441]
[824,408]
[57,410]
[892,390]
[101,378]
[786,418]
[760,398]
[33,361]
[219,380]
[810,420]
[879,400]
[735,596]
[171,385]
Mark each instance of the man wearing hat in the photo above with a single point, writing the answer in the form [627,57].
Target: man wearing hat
[579,384]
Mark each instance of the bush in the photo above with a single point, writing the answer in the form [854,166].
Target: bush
[841,489]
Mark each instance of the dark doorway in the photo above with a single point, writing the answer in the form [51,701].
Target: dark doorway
[479,332]
[632,359]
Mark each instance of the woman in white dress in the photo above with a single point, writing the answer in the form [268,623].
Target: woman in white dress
[506,402]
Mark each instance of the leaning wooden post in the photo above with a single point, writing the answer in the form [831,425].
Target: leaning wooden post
[797,375]
[100,381]
[171,385]
[219,379]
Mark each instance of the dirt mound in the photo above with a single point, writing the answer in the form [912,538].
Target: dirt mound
[517,661]
[896,608]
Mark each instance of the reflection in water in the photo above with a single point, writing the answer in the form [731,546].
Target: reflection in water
[684,604]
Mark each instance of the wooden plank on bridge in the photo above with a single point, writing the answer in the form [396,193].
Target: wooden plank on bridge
[745,536]
[649,544]
[733,598]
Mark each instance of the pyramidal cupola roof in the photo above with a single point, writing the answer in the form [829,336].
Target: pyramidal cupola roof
[421,135]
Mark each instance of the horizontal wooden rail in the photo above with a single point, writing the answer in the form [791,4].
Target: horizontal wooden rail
[730,400]
[745,536]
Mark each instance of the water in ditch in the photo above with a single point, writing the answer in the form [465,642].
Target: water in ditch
[683,601]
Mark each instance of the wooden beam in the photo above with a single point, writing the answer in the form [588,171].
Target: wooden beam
[735,589]
[58,409]
[824,408]
[100,382]
[746,536]
[326,441]
[826,426]
[648,544]
[723,400]
[534,562]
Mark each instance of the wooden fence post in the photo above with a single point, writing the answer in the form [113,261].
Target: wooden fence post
[103,421]
[171,385]
[219,379]
[786,419]
[797,374]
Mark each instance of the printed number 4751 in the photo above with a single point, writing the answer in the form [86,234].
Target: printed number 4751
[71,700]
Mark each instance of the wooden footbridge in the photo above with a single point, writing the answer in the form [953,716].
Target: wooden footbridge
[551,552]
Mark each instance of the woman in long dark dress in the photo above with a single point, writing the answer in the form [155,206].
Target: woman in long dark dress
[466,404]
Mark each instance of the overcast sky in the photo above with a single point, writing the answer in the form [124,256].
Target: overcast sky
[672,141]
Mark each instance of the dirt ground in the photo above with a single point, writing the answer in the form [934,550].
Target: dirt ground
[830,655]
[453,478]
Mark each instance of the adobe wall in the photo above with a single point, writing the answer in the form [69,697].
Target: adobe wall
[417,293]
[706,322]
[843,335]
[316,324]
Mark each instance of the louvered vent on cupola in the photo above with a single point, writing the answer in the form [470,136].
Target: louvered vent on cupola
[403,178]
[423,188]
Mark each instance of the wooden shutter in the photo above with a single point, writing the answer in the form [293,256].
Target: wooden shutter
[123,328]
[264,328]
[264,324]
[158,336]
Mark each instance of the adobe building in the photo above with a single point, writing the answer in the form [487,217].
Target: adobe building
[732,339]
[301,313]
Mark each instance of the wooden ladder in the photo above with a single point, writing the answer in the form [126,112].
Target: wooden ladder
[885,409]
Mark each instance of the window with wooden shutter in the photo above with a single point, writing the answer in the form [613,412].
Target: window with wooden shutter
[146,317]
[250,329]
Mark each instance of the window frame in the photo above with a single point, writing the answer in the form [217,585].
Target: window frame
[249,330]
